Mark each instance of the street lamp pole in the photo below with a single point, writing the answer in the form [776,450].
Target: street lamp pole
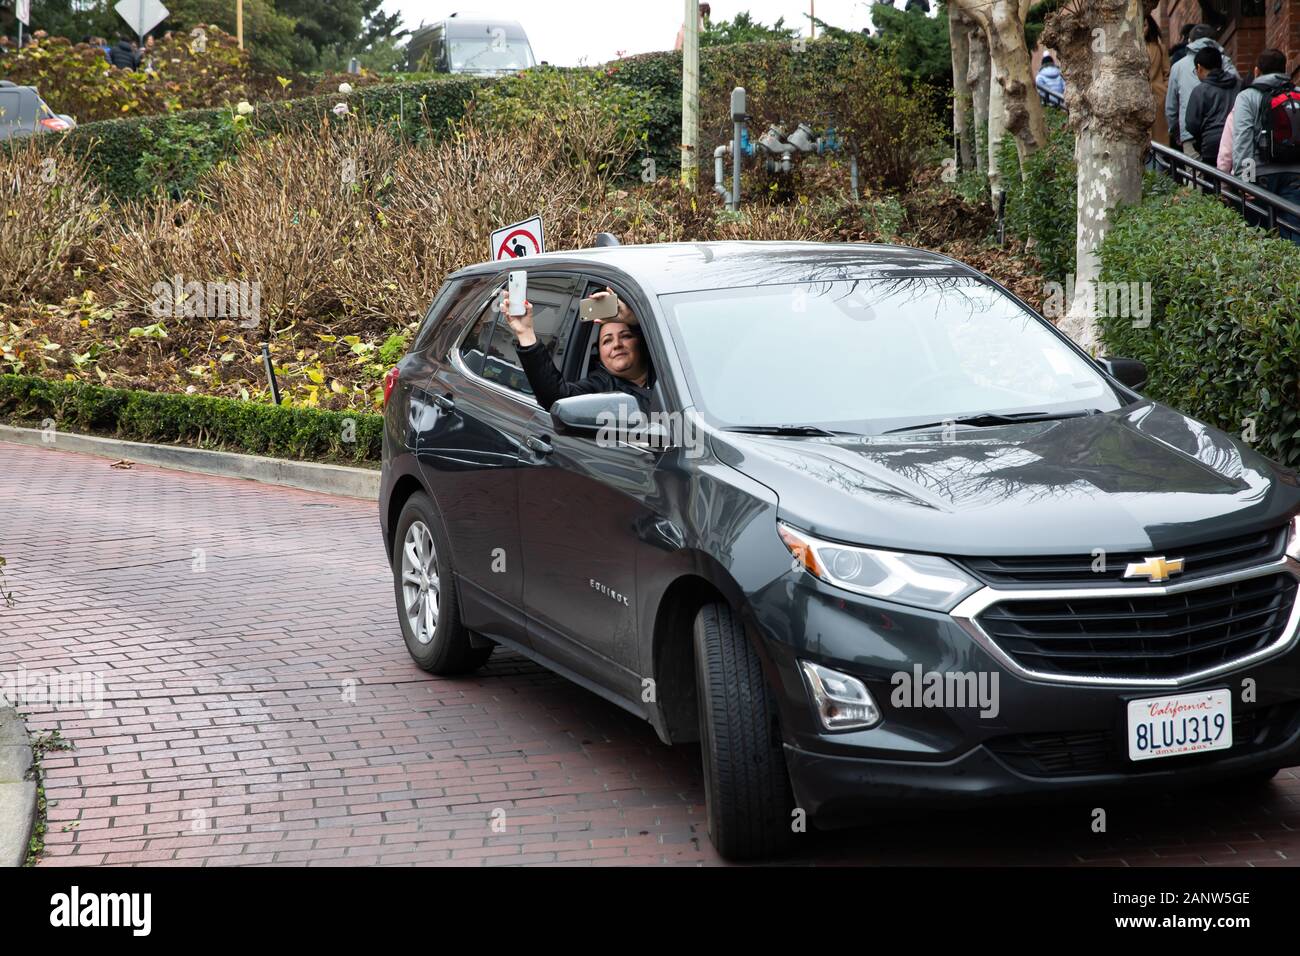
[690,92]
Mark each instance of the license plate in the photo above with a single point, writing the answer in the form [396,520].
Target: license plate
[1182,724]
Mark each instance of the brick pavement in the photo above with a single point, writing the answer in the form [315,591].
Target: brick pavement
[260,708]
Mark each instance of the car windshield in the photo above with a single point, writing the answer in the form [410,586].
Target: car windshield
[489,54]
[873,355]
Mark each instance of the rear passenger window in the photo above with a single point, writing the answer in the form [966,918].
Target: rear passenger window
[488,350]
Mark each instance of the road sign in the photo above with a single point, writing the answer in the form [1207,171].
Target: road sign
[521,239]
[141,15]
[24,12]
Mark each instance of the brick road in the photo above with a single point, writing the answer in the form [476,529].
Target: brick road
[260,708]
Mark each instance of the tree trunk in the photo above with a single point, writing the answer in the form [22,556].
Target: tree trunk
[962,103]
[978,77]
[1104,61]
[1013,80]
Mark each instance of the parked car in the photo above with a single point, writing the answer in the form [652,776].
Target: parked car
[472,45]
[911,545]
[23,112]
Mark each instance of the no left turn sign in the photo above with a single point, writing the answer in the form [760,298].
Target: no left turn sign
[518,240]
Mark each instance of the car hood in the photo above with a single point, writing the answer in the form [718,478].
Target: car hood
[1141,477]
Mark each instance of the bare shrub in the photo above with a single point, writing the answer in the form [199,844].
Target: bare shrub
[289,213]
[50,212]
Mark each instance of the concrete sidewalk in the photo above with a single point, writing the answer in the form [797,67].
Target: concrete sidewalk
[17,793]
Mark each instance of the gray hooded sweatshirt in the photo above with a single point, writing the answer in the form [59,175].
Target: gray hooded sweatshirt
[1246,124]
[1183,79]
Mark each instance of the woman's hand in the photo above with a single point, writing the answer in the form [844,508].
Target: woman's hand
[624,313]
[521,325]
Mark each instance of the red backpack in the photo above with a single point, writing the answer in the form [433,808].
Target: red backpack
[1278,140]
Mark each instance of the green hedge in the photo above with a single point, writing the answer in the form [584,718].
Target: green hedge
[1224,339]
[1041,202]
[199,420]
[113,148]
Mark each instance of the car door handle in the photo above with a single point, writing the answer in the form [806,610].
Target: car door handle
[539,445]
[445,402]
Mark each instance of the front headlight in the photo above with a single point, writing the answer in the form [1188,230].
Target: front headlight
[1293,538]
[921,580]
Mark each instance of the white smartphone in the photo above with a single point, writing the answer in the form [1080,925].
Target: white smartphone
[518,291]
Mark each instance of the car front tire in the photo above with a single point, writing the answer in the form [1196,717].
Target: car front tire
[425,587]
[746,785]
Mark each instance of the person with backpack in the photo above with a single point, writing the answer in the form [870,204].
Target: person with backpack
[1049,80]
[1266,134]
[1210,103]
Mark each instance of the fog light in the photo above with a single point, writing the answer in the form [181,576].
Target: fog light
[843,702]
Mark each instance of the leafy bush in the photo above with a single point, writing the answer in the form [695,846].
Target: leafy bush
[1041,203]
[599,124]
[1224,340]
[295,433]
[78,79]
[50,212]
[112,149]
[177,152]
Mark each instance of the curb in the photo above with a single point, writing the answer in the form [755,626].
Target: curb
[17,793]
[304,475]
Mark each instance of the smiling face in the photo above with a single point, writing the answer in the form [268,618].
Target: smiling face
[621,351]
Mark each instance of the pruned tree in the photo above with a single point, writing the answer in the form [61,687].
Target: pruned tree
[1108,96]
[963,102]
[1014,106]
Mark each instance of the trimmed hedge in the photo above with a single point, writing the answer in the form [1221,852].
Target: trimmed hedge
[113,148]
[1224,339]
[203,421]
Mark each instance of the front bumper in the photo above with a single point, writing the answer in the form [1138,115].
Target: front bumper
[1042,739]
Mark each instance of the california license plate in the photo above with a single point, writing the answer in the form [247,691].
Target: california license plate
[1182,724]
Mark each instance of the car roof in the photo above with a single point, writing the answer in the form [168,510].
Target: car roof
[668,267]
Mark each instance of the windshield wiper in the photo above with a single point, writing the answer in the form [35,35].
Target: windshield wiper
[988,419]
[782,430]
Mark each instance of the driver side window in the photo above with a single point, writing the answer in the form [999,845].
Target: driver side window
[488,350]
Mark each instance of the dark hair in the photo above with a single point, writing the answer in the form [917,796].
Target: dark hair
[1047,60]
[1186,31]
[1152,34]
[1203,31]
[1210,58]
[1271,61]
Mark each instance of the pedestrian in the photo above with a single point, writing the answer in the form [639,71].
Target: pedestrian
[1049,79]
[1183,79]
[1266,134]
[704,24]
[1179,49]
[1158,76]
[124,55]
[1225,145]
[1210,103]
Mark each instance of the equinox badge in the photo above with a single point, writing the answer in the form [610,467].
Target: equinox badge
[1155,570]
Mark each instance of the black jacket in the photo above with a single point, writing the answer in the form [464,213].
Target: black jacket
[123,55]
[1207,112]
[549,387]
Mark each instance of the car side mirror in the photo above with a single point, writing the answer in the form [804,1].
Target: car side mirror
[613,416]
[1126,371]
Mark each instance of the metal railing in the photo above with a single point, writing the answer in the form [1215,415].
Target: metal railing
[1048,98]
[1256,204]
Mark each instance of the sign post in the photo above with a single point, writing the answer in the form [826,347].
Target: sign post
[517,240]
[23,11]
[141,15]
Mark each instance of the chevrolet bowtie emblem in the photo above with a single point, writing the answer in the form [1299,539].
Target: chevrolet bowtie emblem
[1155,570]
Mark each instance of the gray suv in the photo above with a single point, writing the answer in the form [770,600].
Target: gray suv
[885,536]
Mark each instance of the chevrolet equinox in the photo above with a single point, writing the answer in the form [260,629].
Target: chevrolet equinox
[886,535]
